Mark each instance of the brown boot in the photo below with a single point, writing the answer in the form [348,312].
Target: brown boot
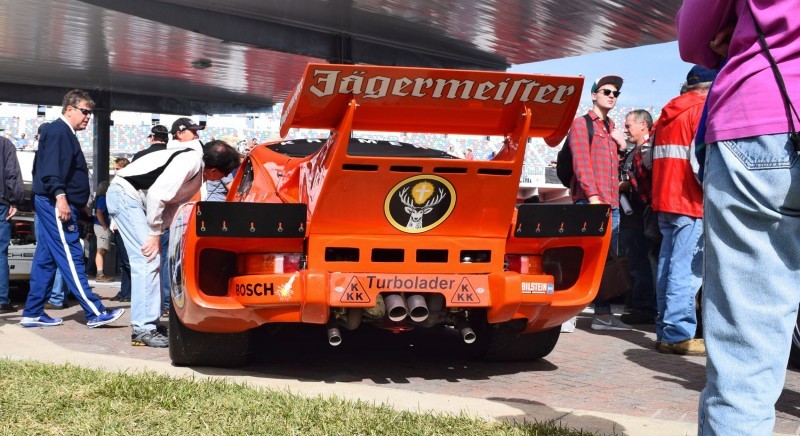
[102,278]
[689,347]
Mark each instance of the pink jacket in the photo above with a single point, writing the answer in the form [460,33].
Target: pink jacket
[745,100]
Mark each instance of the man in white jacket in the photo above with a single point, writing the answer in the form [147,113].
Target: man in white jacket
[143,199]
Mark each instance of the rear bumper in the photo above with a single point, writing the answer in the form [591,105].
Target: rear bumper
[308,297]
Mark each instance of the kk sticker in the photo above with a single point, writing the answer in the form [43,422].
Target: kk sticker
[419,203]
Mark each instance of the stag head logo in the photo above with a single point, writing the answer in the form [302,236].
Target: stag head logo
[420,203]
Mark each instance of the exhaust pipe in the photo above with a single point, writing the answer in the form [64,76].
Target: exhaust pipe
[352,319]
[417,308]
[334,335]
[395,307]
[467,334]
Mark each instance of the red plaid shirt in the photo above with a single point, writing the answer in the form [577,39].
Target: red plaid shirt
[641,177]
[596,167]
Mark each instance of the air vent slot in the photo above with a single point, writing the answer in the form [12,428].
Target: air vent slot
[359,167]
[432,256]
[388,255]
[494,171]
[475,256]
[450,170]
[405,169]
[341,254]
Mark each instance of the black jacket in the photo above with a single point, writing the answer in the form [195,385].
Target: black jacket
[156,146]
[12,190]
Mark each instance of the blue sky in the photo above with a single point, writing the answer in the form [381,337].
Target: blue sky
[637,66]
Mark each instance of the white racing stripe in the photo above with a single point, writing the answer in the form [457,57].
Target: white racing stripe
[72,269]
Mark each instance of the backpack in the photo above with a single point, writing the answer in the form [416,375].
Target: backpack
[564,169]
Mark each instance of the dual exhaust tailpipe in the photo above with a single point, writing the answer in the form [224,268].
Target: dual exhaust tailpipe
[414,307]
[398,308]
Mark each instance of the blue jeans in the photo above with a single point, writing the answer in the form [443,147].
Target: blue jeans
[124,267]
[145,285]
[680,271]
[58,293]
[750,298]
[5,240]
[604,307]
[636,247]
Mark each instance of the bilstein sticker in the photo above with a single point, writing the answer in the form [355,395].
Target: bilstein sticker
[537,288]
[420,203]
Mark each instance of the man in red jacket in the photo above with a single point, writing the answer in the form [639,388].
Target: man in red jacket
[678,199]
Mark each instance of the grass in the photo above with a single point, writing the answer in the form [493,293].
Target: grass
[65,399]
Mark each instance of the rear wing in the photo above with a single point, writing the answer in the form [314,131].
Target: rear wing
[427,100]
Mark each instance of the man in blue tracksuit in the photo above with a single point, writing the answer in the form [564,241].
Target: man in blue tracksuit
[60,191]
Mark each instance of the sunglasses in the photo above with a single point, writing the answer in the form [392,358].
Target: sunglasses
[85,112]
[608,92]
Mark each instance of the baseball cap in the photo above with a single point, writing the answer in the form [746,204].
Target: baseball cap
[159,132]
[182,124]
[605,80]
[700,74]
[158,129]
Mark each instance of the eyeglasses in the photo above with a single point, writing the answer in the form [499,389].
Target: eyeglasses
[85,112]
[608,92]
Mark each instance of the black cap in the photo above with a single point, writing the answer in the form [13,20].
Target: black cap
[158,129]
[605,80]
[185,124]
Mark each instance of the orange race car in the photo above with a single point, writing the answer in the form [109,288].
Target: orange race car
[344,231]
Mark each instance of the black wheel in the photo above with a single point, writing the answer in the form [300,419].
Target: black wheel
[189,347]
[504,343]
[794,355]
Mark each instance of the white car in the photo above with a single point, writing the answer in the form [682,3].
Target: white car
[23,244]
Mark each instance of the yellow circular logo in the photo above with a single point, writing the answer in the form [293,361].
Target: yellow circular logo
[419,203]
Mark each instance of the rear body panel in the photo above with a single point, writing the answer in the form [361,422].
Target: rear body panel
[342,223]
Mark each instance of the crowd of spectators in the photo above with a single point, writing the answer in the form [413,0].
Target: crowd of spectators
[126,139]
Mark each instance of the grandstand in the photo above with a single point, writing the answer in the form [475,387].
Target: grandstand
[129,134]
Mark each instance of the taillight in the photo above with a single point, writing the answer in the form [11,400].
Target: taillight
[268,263]
[524,263]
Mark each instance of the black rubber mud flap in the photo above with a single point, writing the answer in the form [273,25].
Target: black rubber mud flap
[502,343]
[189,347]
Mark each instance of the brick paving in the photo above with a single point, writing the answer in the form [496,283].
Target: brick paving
[609,372]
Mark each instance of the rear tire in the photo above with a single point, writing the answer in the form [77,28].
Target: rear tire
[503,343]
[189,347]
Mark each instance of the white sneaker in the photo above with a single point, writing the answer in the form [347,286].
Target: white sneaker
[611,324]
[569,325]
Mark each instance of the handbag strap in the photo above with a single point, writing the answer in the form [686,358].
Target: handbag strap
[778,78]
